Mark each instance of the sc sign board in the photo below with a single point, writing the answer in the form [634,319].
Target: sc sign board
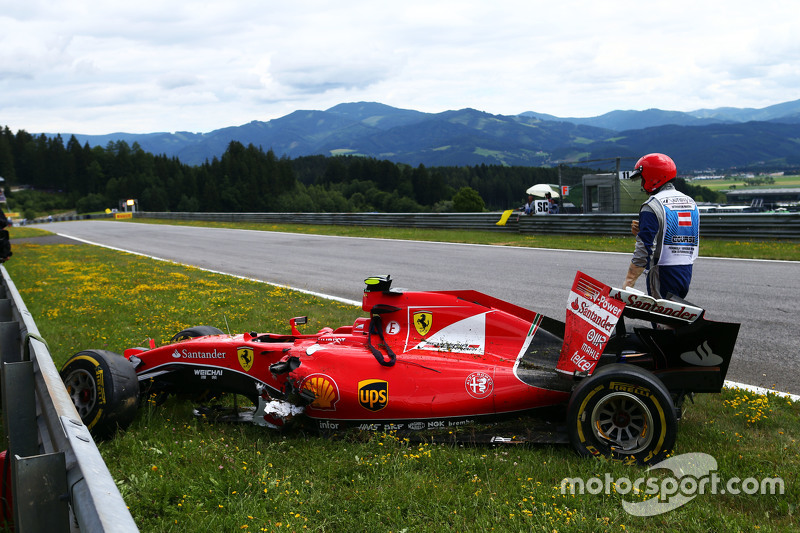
[540,207]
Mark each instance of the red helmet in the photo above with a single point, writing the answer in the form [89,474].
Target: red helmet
[655,170]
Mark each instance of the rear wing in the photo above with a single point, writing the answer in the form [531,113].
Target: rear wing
[673,312]
[592,316]
[690,354]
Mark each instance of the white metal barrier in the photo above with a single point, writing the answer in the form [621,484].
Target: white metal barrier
[58,478]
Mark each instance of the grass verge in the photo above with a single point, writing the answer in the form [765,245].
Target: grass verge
[743,249]
[24,232]
[178,473]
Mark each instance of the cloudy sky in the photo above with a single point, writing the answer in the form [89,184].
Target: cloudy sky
[192,65]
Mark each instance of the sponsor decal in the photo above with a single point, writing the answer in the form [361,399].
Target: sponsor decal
[416,426]
[465,336]
[435,424]
[325,390]
[245,355]
[422,322]
[101,388]
[702,356]
[627,387]
[677,202]
[479,385]
[592,315]
[393,328]
[204,373]
[597,338]
[502,439]
[643,302]
[369,427]
[392,427]
[684,239]
[332,340]
[327,424]
[373,394]
[188,354]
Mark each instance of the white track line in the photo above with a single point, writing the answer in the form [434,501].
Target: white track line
[761,390]
[728,384]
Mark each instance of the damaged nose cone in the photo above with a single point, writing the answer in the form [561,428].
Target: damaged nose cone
[284,366]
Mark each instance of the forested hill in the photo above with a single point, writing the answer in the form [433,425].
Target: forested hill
[719,139]
[248,179]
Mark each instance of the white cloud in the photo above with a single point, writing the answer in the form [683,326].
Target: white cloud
[99,67]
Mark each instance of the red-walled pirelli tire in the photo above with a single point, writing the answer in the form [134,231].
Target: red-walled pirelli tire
[624,413]
[196,331]
[104,388]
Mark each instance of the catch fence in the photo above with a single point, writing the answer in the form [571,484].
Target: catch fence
[717,225]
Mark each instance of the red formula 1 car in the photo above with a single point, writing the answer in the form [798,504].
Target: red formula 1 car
[455,362]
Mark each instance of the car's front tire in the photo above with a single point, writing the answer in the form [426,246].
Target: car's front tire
[104,389]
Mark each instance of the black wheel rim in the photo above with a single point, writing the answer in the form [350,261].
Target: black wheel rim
[81,387]
[624,421]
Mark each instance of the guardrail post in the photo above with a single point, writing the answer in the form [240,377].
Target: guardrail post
[40,493]
[59,478]
[38,482]
[5,310]
[20,421]
[10,340]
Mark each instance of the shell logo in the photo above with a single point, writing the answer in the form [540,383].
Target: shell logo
[325,390]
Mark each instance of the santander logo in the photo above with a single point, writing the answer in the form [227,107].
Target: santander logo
[187,354]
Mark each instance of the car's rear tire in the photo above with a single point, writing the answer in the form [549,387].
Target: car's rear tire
[623,413]
[104,389]
[196,331]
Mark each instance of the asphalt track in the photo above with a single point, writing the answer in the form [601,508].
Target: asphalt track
[761,295]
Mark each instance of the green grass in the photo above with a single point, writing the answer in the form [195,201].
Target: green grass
[24,232]
[781,182]
[178,473]
[743,249]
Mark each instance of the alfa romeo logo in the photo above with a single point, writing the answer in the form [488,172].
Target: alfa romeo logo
[479,385]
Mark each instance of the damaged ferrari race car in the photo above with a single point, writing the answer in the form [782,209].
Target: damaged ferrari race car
[442,361]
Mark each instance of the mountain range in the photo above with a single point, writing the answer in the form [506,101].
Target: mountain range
[721,139]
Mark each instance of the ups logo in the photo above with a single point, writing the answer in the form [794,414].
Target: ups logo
[373,394]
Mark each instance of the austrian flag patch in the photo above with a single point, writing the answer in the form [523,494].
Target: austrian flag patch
[684,218]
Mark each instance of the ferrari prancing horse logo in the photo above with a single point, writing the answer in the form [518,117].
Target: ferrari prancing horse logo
[245,355]
[422,322]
